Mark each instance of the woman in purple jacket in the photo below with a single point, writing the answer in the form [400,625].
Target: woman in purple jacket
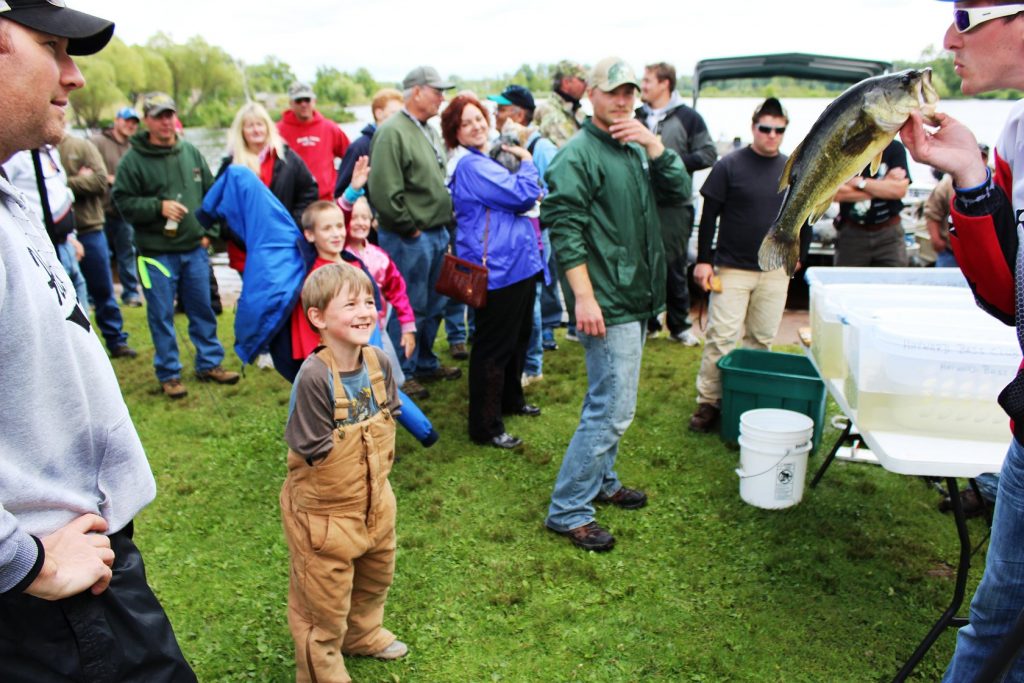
[489,206]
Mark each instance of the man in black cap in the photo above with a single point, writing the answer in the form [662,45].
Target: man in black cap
[414,210]
[74,602]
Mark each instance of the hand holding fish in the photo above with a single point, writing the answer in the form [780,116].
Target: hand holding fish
[952,148]
[632,130]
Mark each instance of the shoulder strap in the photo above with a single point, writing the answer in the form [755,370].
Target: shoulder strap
[533,144]
[380,393]
[341,400]
[44,199]
[487,234]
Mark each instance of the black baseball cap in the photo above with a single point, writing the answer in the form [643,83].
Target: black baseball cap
[86,34]
[514,94]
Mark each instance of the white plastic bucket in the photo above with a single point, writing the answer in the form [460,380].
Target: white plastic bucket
[774,445]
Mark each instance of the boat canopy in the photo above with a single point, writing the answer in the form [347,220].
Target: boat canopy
[794,64]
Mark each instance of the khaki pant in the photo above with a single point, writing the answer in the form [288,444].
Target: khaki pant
[750,300]
[339,521]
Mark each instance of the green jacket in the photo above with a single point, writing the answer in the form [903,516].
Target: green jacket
[602,211]
[406,183]
[149,174]
[90,190]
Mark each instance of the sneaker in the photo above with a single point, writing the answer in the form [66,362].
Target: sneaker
[264,361]
[218,375]
[527,380]
[458,351]
[396,650]
[123,351]
[414,389]
[132,303]
[549,345]
[173,388]
[627,499]
[570,335]
[589,537]
[686,338]
[439,373]
[705,417]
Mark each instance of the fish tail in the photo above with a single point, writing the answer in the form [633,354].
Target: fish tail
[779,249]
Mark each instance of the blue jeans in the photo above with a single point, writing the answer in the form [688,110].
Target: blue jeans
[945,259]
[613,377]
[419,261]
[66,254]
[190,278]
[455,322]
[1000,595]
[95,266]
[120,235]
[535,351]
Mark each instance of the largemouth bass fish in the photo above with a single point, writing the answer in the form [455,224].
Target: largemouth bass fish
[852,131]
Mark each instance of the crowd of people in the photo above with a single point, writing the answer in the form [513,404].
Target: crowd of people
[593,210]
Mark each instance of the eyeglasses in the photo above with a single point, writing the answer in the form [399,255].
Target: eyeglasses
[968,19]
[767,130]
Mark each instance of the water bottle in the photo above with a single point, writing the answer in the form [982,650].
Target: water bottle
[171,226]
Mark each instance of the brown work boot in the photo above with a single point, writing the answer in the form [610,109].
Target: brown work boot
[173,388]
[705,418]
[219,375]
[590,536]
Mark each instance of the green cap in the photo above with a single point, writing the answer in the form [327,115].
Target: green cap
[610,73]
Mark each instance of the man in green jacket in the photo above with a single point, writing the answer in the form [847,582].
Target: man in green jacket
[605,185]
[159,185]
[414,211]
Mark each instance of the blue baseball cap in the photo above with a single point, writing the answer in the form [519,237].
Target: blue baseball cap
[128,113]
[515,95]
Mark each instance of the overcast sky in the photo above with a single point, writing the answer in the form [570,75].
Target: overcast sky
[477,39]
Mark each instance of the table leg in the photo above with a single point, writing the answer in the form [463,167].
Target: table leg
[832,453]
[948,617]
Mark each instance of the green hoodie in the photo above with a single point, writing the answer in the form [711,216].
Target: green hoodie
[149,174]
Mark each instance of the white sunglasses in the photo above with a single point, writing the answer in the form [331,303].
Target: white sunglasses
[968,19]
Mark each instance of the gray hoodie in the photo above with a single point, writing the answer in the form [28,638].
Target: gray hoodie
[67,442]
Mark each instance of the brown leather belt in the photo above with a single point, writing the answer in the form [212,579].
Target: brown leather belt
[891,222]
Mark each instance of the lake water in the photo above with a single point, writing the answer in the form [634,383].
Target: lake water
[726,117]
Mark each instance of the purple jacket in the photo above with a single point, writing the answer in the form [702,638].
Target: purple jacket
[513,250]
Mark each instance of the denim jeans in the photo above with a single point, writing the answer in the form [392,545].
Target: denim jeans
[1000,595]
[419,261]
[120,236]
[66,254]
[946,259]
[455,322]
[95,266]
[535,351]
[613,377]
[190,278]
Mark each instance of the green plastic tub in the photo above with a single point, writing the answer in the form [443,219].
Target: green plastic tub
[766,379]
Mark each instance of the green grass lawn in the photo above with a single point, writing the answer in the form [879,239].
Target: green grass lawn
[700,587]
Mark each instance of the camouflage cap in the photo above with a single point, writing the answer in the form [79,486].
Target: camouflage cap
[156,103]
[610,73]
[567,69]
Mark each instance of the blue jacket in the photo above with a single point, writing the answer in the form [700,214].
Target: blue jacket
[513,251]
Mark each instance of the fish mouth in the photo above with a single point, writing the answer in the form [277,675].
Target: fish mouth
[927,95]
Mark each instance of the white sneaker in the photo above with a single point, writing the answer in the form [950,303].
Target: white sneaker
[686,338]
[264,362]
[396,650]
[527,380]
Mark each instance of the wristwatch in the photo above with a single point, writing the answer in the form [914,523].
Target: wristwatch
[862,183]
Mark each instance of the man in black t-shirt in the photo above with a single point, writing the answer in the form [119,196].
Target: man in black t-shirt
[741,198]
[870,230]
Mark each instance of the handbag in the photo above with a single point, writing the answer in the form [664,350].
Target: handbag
[464,280]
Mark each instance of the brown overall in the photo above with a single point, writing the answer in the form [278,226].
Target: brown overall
[339,521]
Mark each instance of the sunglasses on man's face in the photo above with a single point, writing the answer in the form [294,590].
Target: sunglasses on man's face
[768,130]
[970,18]
[302,100]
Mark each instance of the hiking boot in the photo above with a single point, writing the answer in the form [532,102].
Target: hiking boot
[218,375]
[969,501]
[123,351]
[132,303]
[458,351]
[438,373]
[705,418]
[396,650]
[173,388]
[686,338]
[627,499]
[414,389]
[589,537]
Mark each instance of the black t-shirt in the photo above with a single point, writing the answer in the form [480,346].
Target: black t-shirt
[879,210]
[746,185]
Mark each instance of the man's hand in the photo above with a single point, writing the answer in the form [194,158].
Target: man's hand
[173,210]
[360,173]
[632,130]
[589,318]
[85,172]
[702,274]
[77,246]
[408,343]
[952,148]
[78,556]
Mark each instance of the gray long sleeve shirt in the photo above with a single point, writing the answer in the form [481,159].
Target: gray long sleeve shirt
[67,442]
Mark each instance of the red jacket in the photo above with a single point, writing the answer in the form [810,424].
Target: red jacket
[319,142]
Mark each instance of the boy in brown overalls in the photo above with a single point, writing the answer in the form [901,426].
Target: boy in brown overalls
[336,504]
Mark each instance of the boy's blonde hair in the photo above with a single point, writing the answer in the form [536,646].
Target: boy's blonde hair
[325,283]
[308,219]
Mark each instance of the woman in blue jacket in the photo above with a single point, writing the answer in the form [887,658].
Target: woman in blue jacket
[489,206]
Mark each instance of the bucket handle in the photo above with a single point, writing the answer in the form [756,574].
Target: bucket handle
[789,451]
